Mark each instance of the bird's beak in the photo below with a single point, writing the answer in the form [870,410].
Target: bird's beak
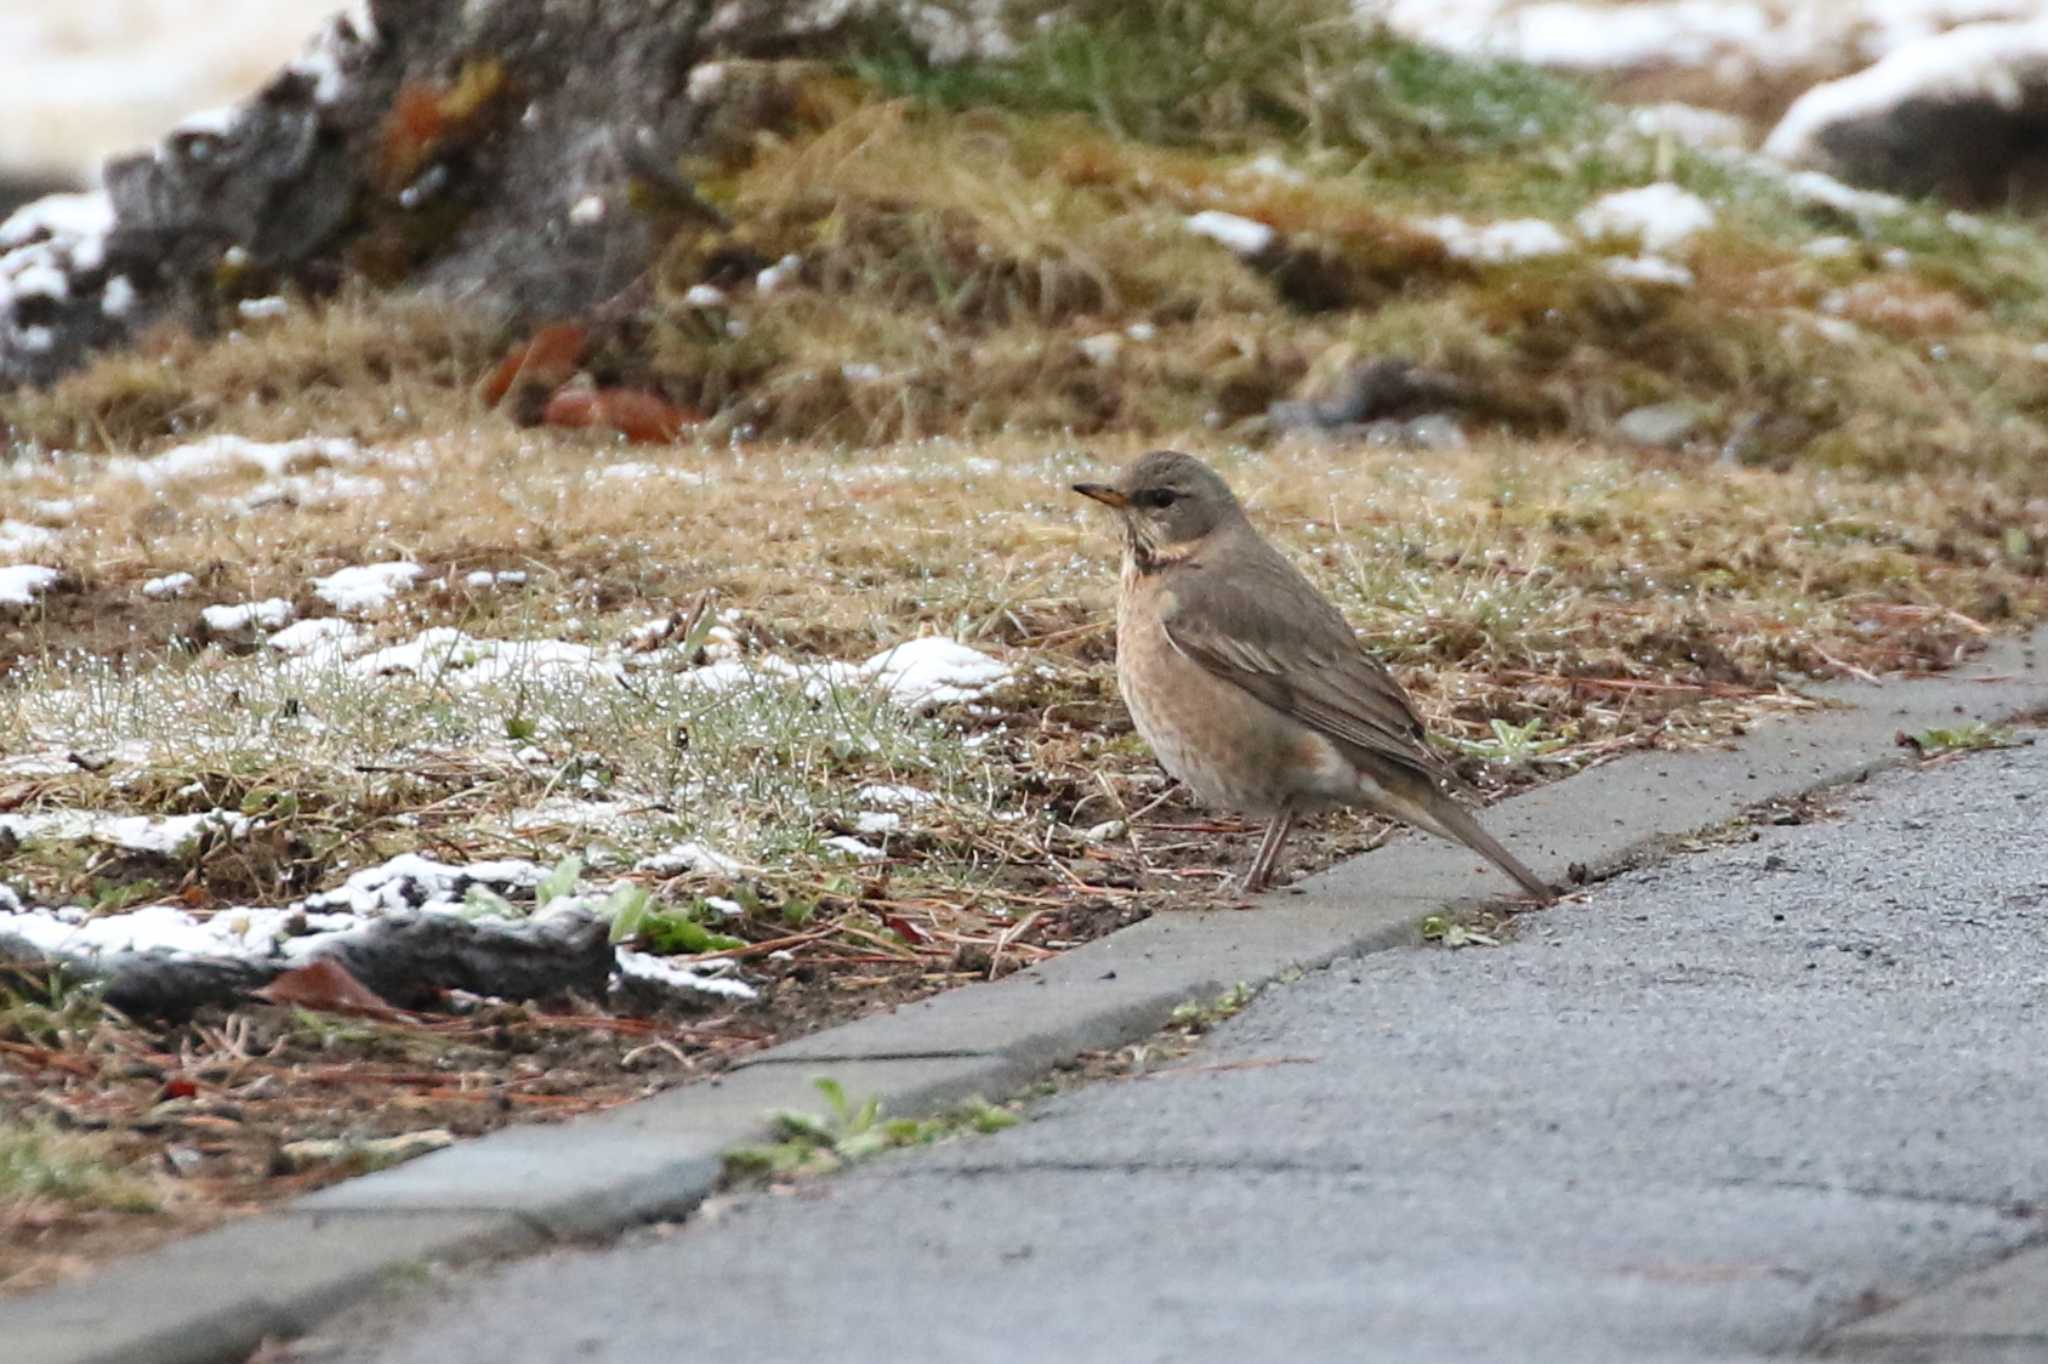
[1103,493]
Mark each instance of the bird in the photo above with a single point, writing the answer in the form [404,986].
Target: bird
[1249,684]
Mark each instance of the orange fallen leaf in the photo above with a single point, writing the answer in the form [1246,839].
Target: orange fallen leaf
[325,984]
[548,360]
[642,417]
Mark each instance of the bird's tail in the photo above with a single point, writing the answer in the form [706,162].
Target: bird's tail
[1444,817]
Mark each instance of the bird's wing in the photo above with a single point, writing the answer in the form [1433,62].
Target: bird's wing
[1264,628]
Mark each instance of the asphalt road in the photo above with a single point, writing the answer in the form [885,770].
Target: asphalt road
[1702,1113]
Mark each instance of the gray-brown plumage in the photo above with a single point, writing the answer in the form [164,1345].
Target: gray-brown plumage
[1249,684]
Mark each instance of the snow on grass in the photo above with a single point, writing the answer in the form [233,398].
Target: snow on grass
[1240,235]
[410,881]
[708,978]
[22,584]
[898,796]
[321,490]
[935,671]
[1813,187]
[270,614]
[221,454]
[1661,216]
[855,848]
[690,858]
[329,637]
[169,586]
[1495,243]
[367,587]
[636,471]
[23,538]
[1648,270]
[159,835]
[70,933]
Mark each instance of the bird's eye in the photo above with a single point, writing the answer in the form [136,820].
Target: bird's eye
[1156,497]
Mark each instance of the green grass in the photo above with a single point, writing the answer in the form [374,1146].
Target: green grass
[1228,72]
[37,1162]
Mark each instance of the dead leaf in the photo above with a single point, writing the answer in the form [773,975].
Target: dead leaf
[641,417]
[548,361]
[325,984]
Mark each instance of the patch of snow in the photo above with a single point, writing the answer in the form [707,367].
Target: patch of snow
[226,620]
[1661,216]
[255,308]
[704,296]
[320,490]
[410,881]
[43,245]
[1827,248]
[23,538]
[700,977]
[1101,349]
[1648,270]
[1975,62]
[589,209]
[441,647]
[907,797]
[325,638]
[854,848]
[1495,243]
[164,835]
[1270,166]
[564,812]
[1243,236]
[21,584]
[877,822]
[54,762]
[117,297]
[169,586]
[168,835]
[935,671]
[225,454]
[366,587]
[60,216]
[635,470]
[151,928]
[1812,187]
[325,58]
[512,658]
[1689,125]
[779,274]
[690,857]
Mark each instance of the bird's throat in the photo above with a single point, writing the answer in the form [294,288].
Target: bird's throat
[1146,556]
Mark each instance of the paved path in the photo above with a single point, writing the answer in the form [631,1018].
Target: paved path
[1703,1114]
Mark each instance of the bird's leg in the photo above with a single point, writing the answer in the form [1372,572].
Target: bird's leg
[1261,869]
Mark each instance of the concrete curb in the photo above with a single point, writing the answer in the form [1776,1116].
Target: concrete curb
[214,1297]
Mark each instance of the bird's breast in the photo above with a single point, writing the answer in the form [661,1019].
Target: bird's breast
[1231,749]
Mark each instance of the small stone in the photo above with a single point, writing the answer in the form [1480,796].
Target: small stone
[1662,425]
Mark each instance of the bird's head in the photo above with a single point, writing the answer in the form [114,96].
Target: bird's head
[1169,503]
